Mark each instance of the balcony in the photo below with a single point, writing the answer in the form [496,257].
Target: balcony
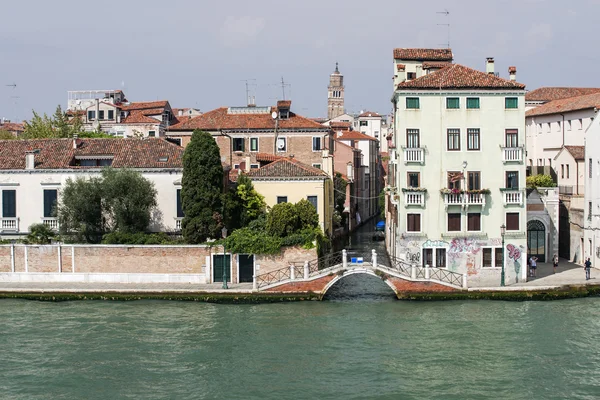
[178,224]
[465,199]
[414,197]
[414,155]
[51,223]
[512,154]
[9,224]
[513,197]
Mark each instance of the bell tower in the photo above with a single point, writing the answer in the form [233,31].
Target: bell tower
[335,96]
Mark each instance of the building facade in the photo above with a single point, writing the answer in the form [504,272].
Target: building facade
[34,172]
[457,172]
[591,225]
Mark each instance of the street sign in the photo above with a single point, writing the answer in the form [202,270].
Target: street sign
[356,260]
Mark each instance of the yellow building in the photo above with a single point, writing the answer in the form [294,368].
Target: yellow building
[289,180]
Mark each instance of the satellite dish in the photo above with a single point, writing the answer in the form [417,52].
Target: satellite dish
[280,144]
[274,115]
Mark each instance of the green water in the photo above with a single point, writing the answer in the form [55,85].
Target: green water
[361,344]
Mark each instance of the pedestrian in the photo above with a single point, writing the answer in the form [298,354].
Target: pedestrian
[555,262]
[587,267]
[533,262]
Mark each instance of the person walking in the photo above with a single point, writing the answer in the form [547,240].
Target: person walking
[587,267]
[555,262]
[533,262]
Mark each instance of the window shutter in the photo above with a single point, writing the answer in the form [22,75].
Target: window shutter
[50,197]
[9,204]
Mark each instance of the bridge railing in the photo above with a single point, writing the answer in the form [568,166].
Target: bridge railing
[272,277]
[444,275]
[400,266]
[327,261]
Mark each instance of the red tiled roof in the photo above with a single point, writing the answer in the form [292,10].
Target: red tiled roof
[12,126]
[565,105]
[369,114]
[578,152]
[139,117]
[266,157]
[401,67]
[423,54]
[59,153]
[340,125]
[352,135]
[284,104]
[435,64]
[220,119]
[287,168]
[145,105]
[557,93]
[456,76]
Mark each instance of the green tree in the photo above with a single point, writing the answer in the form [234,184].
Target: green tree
[308,217]
[40,234]
[535,181]
[339,194]
[202,187]
[6,135]
[57,126]
[80,212]
[253,202]
[128,198]
[282,220]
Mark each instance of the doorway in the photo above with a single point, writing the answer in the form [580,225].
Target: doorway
[246,267]
[220,262]
[536,240]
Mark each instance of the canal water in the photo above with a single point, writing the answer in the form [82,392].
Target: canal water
[361,344]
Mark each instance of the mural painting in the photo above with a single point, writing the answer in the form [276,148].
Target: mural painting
[514,257]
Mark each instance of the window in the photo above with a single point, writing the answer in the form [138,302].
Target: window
[512,138]
[363,123]
[91,115]
[411,75]
[454,179]
[567,171]
[412,139]
[104,162]
[512,221]
[282,144]
[50,197]
[589,210]
[317,166]
[428,257]
[254,166]
[473,139]
[312,200]
[176,141]
[474,180]
[111,114]
[316,141]
[412,103]
[472,103]
[568,125]
[281,199]
[512,179]
[562,171]
[413,222]
[511,103]
[492,257]
[580,123]
[151,133]
[539,162]
[179,206]
[9,203]
[474,222]
[101,114]
[238,144]
[440,258]
[453,139]
[590,168]
[253,144]
[413,180]
[454,222]
[558,124]
[452,103]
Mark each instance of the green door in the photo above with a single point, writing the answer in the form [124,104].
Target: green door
[218,267]
[246,266]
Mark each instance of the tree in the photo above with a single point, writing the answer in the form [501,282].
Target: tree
[40,234]
[308,217]
[253,202]
[535,181]
[202,187]
[6,135]
[128,198]
[339,194]
[57,126]
[282,220]
[80,210]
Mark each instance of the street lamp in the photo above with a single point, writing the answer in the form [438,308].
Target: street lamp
[502,233]
[224,234]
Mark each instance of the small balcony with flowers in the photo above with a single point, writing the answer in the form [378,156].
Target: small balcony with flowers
[414,196]
[464,198]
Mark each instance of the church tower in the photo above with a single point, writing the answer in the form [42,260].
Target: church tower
[335,97]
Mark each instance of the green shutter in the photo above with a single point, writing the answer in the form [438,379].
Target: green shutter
[452,102]
[512,102]
[412,102]
[473,102]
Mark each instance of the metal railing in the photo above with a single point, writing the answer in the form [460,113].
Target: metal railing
[400,266]
[444,275]
[272,277]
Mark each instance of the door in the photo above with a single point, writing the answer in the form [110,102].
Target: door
[218,267]
[536,240]
[246,266]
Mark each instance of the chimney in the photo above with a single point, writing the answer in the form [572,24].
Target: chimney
[30,159]
[489,66]
[180,112]
[401,72]
[76,141]
[512,72]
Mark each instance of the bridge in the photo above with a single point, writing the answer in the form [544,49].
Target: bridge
[319,275]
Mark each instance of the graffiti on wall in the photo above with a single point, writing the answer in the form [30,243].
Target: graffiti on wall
[464,245]
[435,243]
[514,256]
[413,257]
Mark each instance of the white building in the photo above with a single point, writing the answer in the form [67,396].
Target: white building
[374,125]
[33,173]
[457,171]
[591,240]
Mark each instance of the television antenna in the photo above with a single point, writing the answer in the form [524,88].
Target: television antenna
[13,85]
[283,85]
[248,84]
[447,25]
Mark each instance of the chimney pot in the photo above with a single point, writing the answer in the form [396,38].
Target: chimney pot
[30,160]
[75,141]
[489,66]
[512,72]
[180,113]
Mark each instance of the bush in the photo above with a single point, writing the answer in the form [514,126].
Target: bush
[248,241]
[40,234]
[282,220]
[138,238]
[536,181]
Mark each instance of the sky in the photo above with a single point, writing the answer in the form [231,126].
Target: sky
[202,54]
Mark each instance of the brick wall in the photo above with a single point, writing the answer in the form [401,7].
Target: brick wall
[405,286]
[290,255]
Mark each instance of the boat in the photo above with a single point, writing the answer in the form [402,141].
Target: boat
[379,233]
